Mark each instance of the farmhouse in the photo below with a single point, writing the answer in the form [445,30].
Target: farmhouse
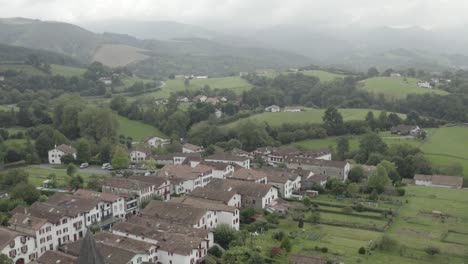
[395,74]
[112,205]
[285,180]
[293,109]
[159,186]
[218,113]
[200,98]
[106,80]
[251,175]
[2,78]
[425,85]
[314,179]
[439,181]
[58,152]
[56,257]
[230,159]
[185,178]
[190,148]
[273,109]
[274,156]
[138,154]
[406,130]
[220,170]
[182,99]
[157,141]
[332,168]
[212,100]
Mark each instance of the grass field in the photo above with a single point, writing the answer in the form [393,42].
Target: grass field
[136,129]
[28,69]
[66,71]
[310,115]
[8,107]
[234,83]
[38,175]
[413,231]
[394,87]
[114,55]
[324,76]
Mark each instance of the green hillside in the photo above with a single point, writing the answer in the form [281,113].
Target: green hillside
[234,83]
[27,69]
[310,115]
[136,129]
[66,71]
[394,87]
[324,76]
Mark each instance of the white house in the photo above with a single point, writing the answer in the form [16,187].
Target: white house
[58,152]
[157,141]
[230,159]
[218,113]
[217,191]
[185,178]
[395,74]
[19,247]
[425,85]
[106,80]
[2,78]
[287,181]
[190,148]
[273,109]
[200,98]
[439,181]
[112,204]
[139,154]
[220,170]
[293,109]
[182,99]
[201,77]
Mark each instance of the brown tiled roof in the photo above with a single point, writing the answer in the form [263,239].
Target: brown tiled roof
[106,197]
[183,171]
[313,153]
[248,174]
[167,227]
[145,150]
[133,245]
[7,235]
[226,157]
[452,181]
[245,188]
[216,165]
[279,175]
[27,221]
[316,162]
[178,213]
[192,147]
[146,139]
[53,214]
[126,184]
[304,259]
[112,255]
[215,190]
[203,203]
[283,151]
[156,181]
[56,257]
[317,178]
[217,187]
[74,203]
[66,149]
[403,128]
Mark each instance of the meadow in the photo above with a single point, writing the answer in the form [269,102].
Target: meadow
[234,83]
[413,230]
[28,69]
[66,71]
[135,129]
[38,175]
[396,87]
[324,76]
[310,115]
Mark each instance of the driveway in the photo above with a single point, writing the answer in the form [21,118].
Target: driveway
[90,169]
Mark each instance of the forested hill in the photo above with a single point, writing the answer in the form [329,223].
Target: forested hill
[14,54]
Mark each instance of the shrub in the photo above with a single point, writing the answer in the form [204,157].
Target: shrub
[286,244]
[314,218]
[272,218]
[359,208]
[324,250]
[362,251]
[278,235]
[432,250]
[301,223]
[401,192]
[215,251]
[387,243]
[275,251]
[347,209]
[224,235]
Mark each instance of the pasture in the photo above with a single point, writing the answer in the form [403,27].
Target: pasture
[115,55]
[413,230]
[66,71]
[234,83]
[310,115]
[27,69]
[396,87]
[135,129]
[37,175]
[324,76]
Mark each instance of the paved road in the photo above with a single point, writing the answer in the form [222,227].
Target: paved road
[90,169]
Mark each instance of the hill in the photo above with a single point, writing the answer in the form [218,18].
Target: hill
[310,115]
[324,76]
[396,87]
[135,129]
[18,55]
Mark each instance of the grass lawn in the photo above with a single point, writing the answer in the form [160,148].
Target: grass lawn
[234,83]
[310,115]
[38,175]
[28,69]
[394,87]
[324,76]
[136,129]
[66,71]
[8,107]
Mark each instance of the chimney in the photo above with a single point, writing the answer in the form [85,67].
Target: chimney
[29,222]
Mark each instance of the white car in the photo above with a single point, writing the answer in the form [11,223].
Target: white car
[105,166]
[84,165]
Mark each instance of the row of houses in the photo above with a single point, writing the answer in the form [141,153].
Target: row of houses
[275,109]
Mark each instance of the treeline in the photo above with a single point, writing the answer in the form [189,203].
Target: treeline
[299,89]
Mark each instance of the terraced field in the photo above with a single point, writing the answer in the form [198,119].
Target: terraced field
[396,87]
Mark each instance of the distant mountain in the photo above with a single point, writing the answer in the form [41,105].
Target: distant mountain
[180,55]
[12,54]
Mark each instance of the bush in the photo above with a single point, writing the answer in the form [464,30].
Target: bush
[362,251]
[286,244]
[275,251]
[432,250]
[301,223]
[359,208]
[278,235]
[387,243]
[324,250]
[215,251]
[314,218]
[401,192]
[224,235]
[347,209]
[272,218]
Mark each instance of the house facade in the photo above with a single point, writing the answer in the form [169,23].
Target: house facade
[190,148]
[139,154]
[157,142]
[444,181]
[273,109]
[19,247]
[230,159]
[58,152]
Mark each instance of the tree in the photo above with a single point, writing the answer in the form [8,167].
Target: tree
[387,243]
[83,151]
[97,123]
[286,244]
[71,169]
[314,218]
[342,148]
[120,159]
[95,183]
[14,177]
[306,201]
[379,179]
[333,121]
[255,258]
[65,114]
[26,192]
[300,223]
[187,82]
[52,180]
[177,123]
[4,259]
[76,182]
[431,250]
[235,255]
[224,235]
[383,121]
[356,174]
[362,251]
[371,120]
[372,72]
[352,189]
[370,143]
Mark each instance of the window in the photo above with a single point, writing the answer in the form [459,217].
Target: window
[23,240]
[24,249]
[12,253]
[12,243]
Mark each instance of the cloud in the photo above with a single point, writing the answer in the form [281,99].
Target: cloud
[253,13]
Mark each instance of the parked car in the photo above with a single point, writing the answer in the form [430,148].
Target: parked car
[84,165]
[109,167]
[105,166]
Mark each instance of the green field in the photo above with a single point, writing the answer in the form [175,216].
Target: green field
[310,115]
[28,69]
[413,230]
[395,87]
[8,107]
[66,71]
[324,76]
[38,175]
[234,83]
[136,129]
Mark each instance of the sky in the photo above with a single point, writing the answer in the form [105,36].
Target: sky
[254,13]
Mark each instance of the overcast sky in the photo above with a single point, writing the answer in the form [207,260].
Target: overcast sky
[423,13]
